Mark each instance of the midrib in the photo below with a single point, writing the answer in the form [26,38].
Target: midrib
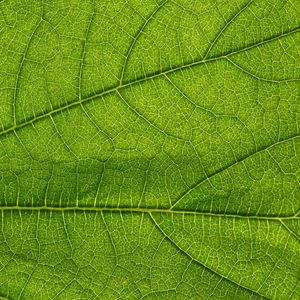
[144,210]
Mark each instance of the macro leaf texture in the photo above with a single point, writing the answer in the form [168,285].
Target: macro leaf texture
[150,149]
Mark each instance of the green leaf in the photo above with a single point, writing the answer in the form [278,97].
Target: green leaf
[150,149]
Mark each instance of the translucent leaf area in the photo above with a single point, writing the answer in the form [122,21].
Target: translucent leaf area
[150,149]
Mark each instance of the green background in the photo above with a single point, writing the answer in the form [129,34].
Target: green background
[150,149]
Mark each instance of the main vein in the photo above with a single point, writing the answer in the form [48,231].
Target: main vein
[145,210]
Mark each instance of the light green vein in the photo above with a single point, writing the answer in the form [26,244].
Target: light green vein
[196,259]
[199,183]
[145,210]
[140,80]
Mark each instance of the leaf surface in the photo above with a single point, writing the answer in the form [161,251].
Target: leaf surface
[150,149]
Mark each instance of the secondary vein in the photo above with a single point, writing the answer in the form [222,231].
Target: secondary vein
[140,80]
